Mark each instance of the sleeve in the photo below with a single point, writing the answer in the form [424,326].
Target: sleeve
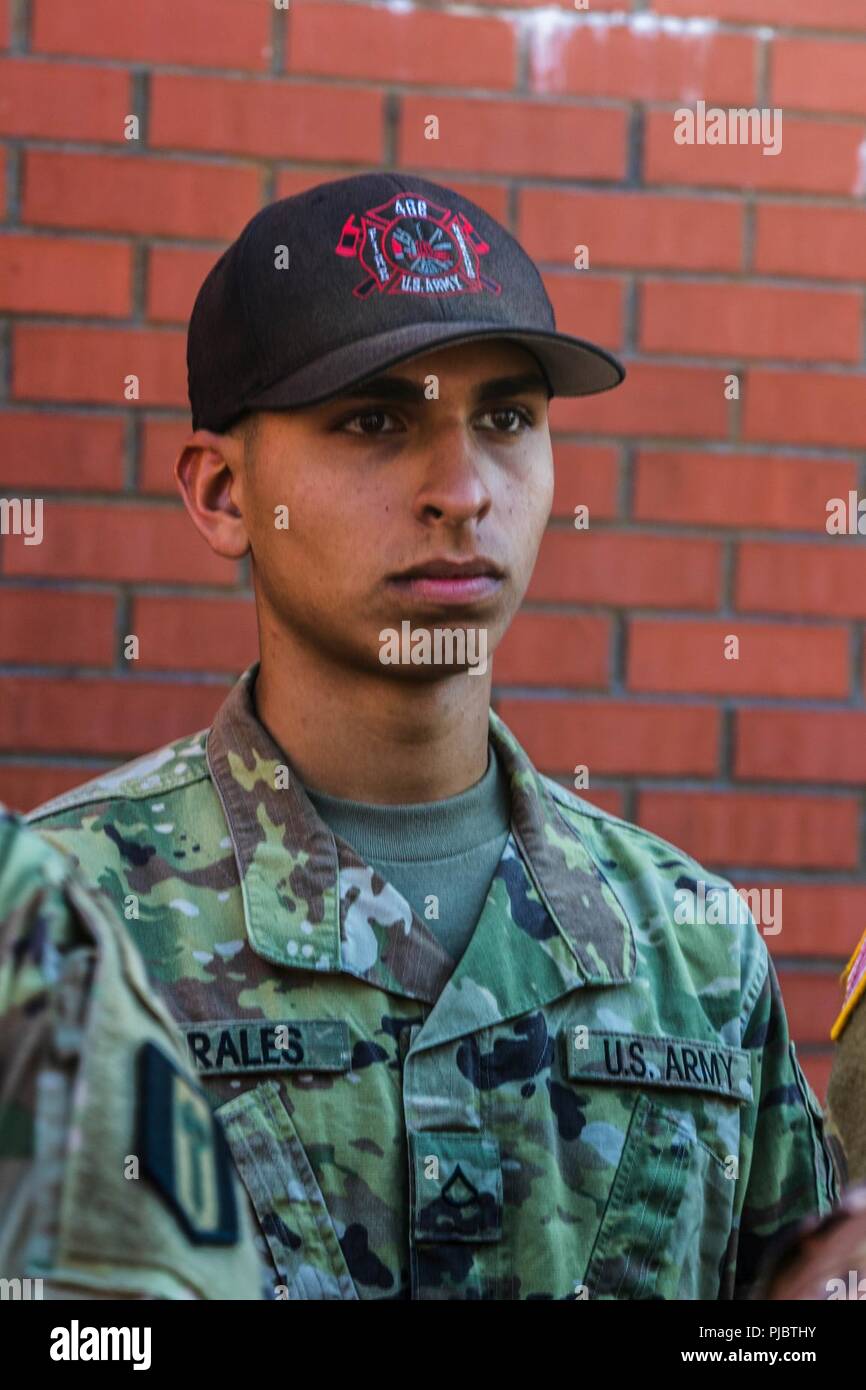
[39,944]
[77,1018]
[788,1168]
[47,962]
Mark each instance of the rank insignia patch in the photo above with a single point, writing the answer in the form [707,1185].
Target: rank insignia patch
[183,1150]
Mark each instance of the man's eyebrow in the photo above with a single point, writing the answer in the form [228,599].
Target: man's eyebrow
[401,388]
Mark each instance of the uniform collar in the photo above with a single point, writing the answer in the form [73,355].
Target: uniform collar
[311,902]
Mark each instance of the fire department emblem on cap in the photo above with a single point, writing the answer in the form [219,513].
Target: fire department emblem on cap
[410,245]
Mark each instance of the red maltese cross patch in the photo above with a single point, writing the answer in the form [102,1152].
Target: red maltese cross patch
[412,246]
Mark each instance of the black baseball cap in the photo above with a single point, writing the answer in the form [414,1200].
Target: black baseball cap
[350,277]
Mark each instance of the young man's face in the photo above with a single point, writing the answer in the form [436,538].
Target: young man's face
[382,480]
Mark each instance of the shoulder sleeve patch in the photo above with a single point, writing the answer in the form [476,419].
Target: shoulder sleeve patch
[854,979]
[184,1151]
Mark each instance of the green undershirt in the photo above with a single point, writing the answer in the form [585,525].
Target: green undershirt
[448,849]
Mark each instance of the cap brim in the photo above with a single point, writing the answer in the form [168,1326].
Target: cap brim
[573,366]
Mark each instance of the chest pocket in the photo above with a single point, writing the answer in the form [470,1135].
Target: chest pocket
[667,1221]
[287,1199]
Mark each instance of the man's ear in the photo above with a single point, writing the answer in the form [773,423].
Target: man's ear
[209,474]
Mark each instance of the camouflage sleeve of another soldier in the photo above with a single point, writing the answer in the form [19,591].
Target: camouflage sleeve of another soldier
[115,1179]
[791,1170]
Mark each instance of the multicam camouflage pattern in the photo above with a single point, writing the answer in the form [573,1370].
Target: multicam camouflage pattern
[75,1013]
[457,1152]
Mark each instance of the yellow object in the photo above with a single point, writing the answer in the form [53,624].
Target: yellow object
[854,990]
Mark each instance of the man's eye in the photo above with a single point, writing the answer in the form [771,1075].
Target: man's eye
[368,422]
[505,420]
[510,419]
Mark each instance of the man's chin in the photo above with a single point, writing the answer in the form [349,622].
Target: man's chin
[431,649]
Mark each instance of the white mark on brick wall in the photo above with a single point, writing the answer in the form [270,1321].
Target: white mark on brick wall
[652,24]
[549,26]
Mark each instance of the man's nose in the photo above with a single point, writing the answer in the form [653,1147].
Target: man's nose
[453,484]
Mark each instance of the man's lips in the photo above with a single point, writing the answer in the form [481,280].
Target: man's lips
[449,581]
[448,590]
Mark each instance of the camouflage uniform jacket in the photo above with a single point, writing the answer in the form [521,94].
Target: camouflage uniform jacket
[595,1102]
[115,1179]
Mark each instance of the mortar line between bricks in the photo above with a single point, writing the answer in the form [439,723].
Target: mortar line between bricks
[735,278]
[139,285]
[641,617]
[862,855]
[122,627]
[522,65]
[14,186]
[726,607]
[856,695]
[740,278]
[117,237]
[280,36]
[696,785]
[727,742]
[762,69]
[20,25]
[631,312]
[512,209]
[635,140]
[568,185]
[5,360]
[564,184]
[132,430]
[277,71]
[587,103]
[120,677]
[178,590]
[777,705]
[720,448]
[372,84]
[626,466]
[618,654]
[672,530]
[391,114]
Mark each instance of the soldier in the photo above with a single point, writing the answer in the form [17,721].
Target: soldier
[846,1090]
[115,1178]
[459,1041]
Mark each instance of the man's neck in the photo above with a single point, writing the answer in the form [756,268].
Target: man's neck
[354,734]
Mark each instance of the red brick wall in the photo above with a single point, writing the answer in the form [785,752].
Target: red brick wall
[707,517]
